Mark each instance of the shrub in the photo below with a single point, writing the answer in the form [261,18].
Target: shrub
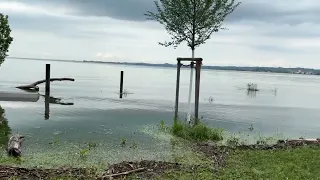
[198,132]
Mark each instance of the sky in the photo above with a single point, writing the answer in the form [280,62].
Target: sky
[271,33]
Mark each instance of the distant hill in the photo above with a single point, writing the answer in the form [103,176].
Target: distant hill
[226,68]
[297,70]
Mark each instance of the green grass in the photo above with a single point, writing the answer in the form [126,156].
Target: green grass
[299,163]
[199,132]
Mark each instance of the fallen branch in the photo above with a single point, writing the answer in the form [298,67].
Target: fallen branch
[14,145]
[34,86]
[123,173]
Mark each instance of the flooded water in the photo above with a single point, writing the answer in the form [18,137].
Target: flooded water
[94,112]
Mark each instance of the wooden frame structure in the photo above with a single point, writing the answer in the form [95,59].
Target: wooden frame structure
[198,63]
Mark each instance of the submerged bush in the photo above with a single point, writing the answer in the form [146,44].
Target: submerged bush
[198,132]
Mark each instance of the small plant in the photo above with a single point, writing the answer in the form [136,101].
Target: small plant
[251,128]
[123,141]
[55,141]
[162,126]
[252,87]
[261,142]
[133,145]
[83,153]
[92,145]
[233,141]
[198,132]
[210,99]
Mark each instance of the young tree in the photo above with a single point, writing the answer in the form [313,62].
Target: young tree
[5,38]
[191,21]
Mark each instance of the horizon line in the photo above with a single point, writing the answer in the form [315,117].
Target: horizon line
[126,62]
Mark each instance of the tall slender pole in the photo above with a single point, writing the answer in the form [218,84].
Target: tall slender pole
[177,91]
[47,93]
[197,91]
[190,89]
[121,84]
[47,87]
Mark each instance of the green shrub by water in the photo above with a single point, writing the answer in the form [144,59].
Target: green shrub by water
[198,132]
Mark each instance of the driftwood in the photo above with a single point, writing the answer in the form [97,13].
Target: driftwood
[302,140]
[123,173]
[34,86]
[14,145]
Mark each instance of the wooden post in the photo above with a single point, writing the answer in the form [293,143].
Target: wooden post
[177,91]
[47,88]
[121,84]
[47,93]
[197,91]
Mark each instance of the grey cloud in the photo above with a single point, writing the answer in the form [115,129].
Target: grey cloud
[118,9]
[255,10]
[250,10]
[261,11]
[62,26]
[269,11]
[293,33]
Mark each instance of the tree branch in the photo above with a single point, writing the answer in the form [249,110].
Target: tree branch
[34,86]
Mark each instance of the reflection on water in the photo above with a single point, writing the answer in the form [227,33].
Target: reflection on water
[52,100]
[4,129]
[47,107]
[251,94]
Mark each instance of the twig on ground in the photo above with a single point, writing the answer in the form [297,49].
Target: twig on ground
[123,173]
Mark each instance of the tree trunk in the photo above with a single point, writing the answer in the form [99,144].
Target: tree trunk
[14,145]
[190,90]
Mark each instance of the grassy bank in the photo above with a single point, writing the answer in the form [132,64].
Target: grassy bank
[299,163]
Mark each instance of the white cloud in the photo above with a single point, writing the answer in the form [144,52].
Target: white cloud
[24,8]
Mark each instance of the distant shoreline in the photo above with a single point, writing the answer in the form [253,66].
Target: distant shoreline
[306,71]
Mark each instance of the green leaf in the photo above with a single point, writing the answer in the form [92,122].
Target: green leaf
[191,21]
[5,38]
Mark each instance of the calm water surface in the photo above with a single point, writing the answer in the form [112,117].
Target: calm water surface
[97,114]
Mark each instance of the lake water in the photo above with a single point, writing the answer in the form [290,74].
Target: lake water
[98,115]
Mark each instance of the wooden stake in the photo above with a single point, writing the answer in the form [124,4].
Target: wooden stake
[177,90]
[121,84]
[47,88]
[197,91]
[47,93]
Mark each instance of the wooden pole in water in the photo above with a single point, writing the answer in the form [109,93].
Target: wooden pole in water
[47,88]
[177,91]
[121,84]
[47,92]
[197,91]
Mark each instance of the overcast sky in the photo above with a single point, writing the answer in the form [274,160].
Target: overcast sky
[260,33]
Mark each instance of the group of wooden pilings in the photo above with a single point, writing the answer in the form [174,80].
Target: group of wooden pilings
[198,63]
